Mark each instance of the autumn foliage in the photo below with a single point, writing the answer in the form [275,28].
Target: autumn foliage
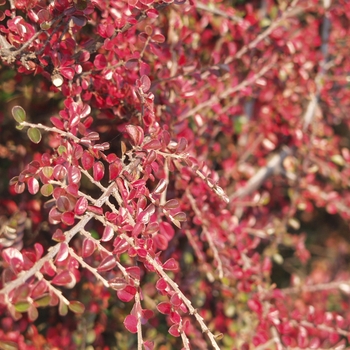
[174,174]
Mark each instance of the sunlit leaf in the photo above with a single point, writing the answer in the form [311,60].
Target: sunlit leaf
[130,323]
[18,114]
[89,247]
[33,185]
[171,265]
[108,263]
[76,306]
[164,308]
[22,306]
[46,190]
[136,134]
[34,135]
[98,171]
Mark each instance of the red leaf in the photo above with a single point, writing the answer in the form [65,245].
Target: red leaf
[255,305]
[98,171]
[153,144]
[144,67]
[147,314]
[175,317]
[118,283]
[164,308]
[39,289]
[89,247]
[39,250]
[161,242]
[181,216]
[11,253]
[142,253]
[14,258]
[182,145]
[132,63]
[134,272]
[54,216]
[120,245]
[171,265]
[108,263]
[162,184]
[159,38]
[100,61]
[59,172]
[81,206]
[175,300]
[130,323]
[174,330]
[108,234]
[136,134]
[148,345]
[68,72]
[63,204]
[63,278]
[63,252]
[125,296]
[145,82]
[87,160]
[138,228]
[33,185]
[161,285]
[73,190]
[171,204]
[114,170]
[74,174]
[147,2]
[68,218]
[145,215]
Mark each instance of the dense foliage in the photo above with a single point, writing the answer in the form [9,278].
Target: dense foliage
[174,174]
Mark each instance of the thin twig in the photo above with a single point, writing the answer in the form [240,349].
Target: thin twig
[214,99]
[216,11]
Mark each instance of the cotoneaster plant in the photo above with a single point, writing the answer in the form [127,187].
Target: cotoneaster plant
[165,159]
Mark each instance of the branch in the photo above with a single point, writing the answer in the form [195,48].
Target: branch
[52,251]
[315,97]
[215,11]
[214,99]
[274,165]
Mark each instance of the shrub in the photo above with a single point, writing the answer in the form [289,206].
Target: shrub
[178,174]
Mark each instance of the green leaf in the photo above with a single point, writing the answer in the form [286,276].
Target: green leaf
[77,307]
[43,301]
[62,309]
[18,114]
[8,345]
[46,190]
[61,149]
[338,159]
[22,306]
[45,25]
[34,135]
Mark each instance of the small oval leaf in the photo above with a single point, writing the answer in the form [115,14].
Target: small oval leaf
[33,185]
[77,307]
[98,171]
[19,114]
[130,323]
[89,247]
[107,263]
[81,206]
[34,135]
[46,190]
